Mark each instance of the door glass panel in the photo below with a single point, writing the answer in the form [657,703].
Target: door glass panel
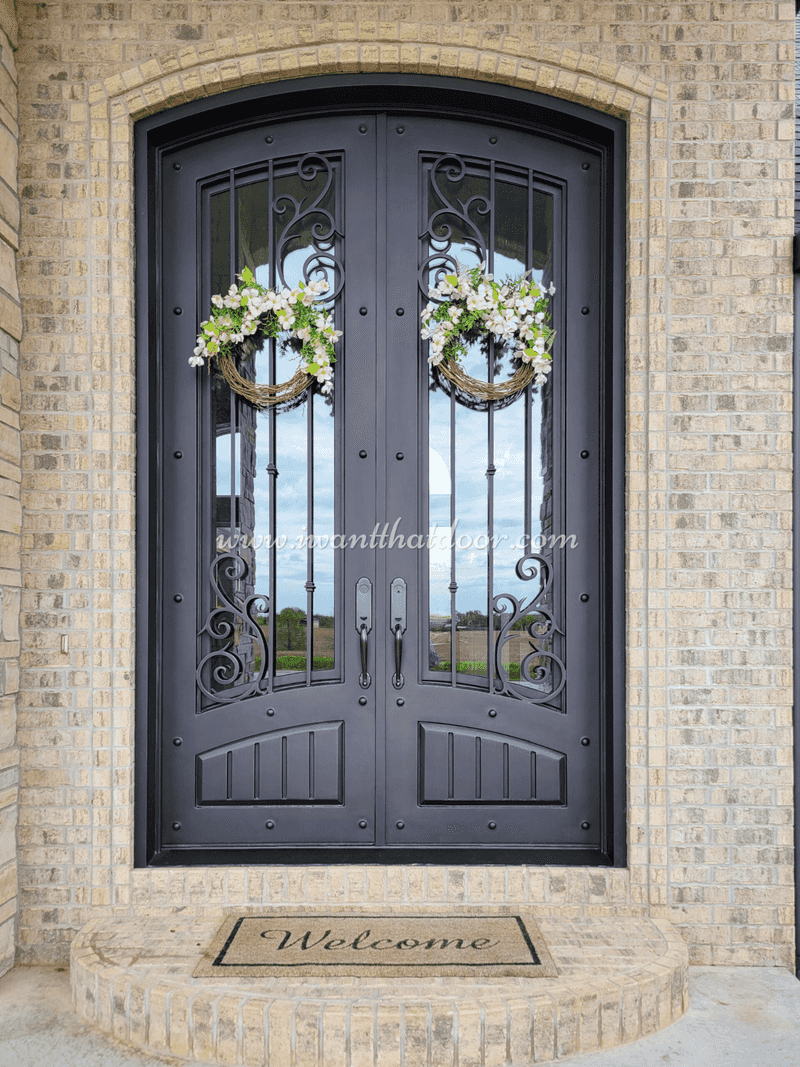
[490,462]
[273,598]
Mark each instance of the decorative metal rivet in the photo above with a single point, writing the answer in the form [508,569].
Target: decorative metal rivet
[362,311]
[362,823]
[585,453]
[177,311]
[400,312]
[400,129]
[363,453]
[492,825]
[585,825]
[362,129]
[176,826]
[401,825]
[362,701]
[177,741]
[270,712]
[492,713]
[400,702]
[585,741]
[269,138]
[492,140]
[584,597]
[399,455]
[178,455]
[584,311]
[177,598]
[585,166]
[176,166]
[270,825]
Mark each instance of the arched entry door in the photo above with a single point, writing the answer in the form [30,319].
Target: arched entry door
[383,612]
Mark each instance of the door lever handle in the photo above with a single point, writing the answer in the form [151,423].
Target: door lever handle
[364,679]
[398,627]
[363,626]
[397,677]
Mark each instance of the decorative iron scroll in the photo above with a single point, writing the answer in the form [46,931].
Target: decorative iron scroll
[542,670]
[322,262]
[439,231]
[233,621]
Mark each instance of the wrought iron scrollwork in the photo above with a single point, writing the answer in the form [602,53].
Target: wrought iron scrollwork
[223,674]
[322,262]
[439,231]
[542,673]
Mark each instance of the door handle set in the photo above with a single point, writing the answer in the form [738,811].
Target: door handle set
[363,626]
[397,626]
[397,604]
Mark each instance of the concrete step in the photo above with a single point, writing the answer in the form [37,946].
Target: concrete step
[621,976]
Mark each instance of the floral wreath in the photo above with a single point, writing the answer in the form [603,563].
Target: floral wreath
[516,309]
[253,310]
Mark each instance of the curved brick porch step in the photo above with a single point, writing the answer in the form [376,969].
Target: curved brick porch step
[621,976]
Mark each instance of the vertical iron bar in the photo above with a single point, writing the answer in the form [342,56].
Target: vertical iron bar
[490,468]
[528,518]
[271,468]
[309,533]
[232,410]
[529,399]
[453,584]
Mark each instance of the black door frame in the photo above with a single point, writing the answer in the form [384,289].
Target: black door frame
[555,119]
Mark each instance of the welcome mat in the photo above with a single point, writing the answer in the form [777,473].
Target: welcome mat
[465,945]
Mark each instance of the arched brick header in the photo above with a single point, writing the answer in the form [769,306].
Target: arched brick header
[346,47]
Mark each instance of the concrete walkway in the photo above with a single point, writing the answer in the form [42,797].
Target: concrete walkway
[738,1017]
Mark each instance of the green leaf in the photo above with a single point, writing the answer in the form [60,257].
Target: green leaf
[312,368]
[247,276]
[451,278]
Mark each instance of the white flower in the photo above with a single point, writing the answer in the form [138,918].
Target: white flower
[196,361]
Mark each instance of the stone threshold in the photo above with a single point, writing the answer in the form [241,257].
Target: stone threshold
[621,976]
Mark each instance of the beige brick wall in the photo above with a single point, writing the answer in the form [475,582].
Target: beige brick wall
[707,90]
[10,476]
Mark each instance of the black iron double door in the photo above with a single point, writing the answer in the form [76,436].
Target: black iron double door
[381,606]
